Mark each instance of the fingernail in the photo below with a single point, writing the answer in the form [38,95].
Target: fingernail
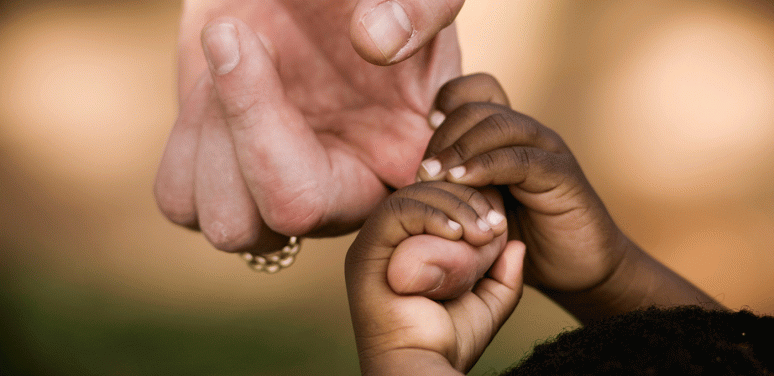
[454,225]
[221,47]
[428,278]
[483,225]
[458,172]
[436,119]
[494,218]
[432,167]
[389,27]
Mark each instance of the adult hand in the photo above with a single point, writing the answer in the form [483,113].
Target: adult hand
[388,32]
[289,132]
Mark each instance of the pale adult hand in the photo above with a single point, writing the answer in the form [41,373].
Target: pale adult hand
[289,132]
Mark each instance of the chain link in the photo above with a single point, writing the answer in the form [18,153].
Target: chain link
[275,261]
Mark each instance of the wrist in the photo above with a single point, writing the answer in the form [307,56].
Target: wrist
[622,290]
[407,361]
[639,281]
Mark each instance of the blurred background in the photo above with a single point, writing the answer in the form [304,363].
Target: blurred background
[668,105]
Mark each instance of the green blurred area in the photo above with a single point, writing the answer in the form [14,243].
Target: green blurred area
[52,328]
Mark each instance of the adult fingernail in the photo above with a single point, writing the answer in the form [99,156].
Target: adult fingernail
[432,167]
[428,278]
[389,27]
[221,47]
[436,119]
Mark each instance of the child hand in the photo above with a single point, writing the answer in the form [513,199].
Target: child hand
[408,334]
[572,242]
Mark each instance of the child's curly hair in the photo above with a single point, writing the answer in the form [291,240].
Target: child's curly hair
[685,340]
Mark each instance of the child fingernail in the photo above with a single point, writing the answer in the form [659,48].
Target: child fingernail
[483,225]
[494,218]
[436,119]
[454,225]
[458,172]
[432,167]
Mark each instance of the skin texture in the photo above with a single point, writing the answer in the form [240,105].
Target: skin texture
[403,334]
[576,254]
[572,240]
[423,20]
[301,137]
[559,238]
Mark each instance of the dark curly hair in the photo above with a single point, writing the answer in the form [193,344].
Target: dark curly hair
[685,340]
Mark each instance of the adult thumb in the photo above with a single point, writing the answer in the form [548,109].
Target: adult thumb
[388,32]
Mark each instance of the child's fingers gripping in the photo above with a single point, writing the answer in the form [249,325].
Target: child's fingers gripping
[442,269]
[396,219]
[532,170]
[460,121]
[467,206]
[499,130]
[479,87]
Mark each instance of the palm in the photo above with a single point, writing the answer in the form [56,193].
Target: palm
[570,236]
[458,329]
[368,118]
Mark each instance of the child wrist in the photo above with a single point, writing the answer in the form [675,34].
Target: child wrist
[408,362]
[619,291]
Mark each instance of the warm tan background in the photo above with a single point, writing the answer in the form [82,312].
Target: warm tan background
[669,107]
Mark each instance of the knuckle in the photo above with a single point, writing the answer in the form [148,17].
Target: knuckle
[237,107]
[395,205]
[500,126]
[528,128]
[556,143]
[176,209]
[469,194]
[472,109]
[401,206]
[496,93]
[489,80]
[230,235]
[462,207]
[461,149]
[520,157]
[488,162]
[429,211]
[295,213]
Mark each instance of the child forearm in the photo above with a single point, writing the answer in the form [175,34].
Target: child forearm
[408,362]
[639,281]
